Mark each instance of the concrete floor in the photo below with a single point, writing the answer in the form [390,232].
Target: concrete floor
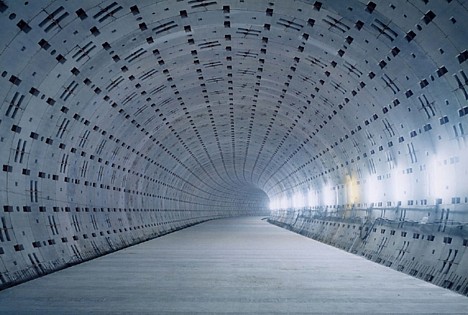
[242,265]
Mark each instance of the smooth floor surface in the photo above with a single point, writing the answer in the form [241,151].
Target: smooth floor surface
[242,265]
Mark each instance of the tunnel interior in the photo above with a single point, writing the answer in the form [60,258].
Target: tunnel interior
[125,120]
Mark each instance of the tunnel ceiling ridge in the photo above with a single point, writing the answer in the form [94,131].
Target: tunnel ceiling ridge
[212,98]
[122,121]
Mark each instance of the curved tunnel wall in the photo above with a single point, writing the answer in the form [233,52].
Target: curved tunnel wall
[122,121]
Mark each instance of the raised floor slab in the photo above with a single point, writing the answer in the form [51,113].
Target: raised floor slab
[241,265]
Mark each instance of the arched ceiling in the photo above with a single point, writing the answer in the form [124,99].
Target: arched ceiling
[213,101]
[124,120]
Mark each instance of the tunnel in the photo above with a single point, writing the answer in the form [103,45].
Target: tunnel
[342,121]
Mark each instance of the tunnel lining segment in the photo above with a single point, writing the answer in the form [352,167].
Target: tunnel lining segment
[120,121]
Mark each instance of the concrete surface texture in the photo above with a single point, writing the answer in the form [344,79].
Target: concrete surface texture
[433,252]
[230,266]
[124,120]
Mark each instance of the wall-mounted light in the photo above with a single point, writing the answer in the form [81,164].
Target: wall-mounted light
[298,201]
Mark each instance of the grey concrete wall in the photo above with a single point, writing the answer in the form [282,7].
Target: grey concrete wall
[124,120]
[433,251]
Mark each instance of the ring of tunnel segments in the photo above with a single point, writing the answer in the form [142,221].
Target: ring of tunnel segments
[122,121]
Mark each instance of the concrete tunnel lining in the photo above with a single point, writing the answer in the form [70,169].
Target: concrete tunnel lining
[239,265]
[122,121]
